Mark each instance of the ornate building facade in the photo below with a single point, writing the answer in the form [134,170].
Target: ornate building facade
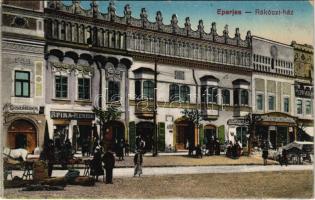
[83,58]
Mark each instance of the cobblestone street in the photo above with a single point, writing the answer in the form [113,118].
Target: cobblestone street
[285,184]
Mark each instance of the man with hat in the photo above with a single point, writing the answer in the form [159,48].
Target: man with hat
[109,164]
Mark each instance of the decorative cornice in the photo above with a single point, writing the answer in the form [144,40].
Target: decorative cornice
[144,23]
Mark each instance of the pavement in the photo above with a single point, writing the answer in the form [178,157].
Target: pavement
[156,171]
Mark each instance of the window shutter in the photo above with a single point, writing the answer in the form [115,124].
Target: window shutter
[132,136]
[161,138]
[201,135]
[221,135]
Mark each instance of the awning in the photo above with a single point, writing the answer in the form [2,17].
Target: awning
[309,131]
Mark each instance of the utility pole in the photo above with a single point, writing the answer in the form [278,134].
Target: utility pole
[155,149]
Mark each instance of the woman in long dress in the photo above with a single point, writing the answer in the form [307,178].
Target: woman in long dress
[138,164]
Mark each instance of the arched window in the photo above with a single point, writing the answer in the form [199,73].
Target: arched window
[212,95]
[184,93]
[244,97]
[113,91]
[226,96]
[174,92]
[148,89]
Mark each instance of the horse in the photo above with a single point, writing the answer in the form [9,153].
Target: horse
[15,153]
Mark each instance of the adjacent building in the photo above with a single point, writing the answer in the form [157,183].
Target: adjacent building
[23,74]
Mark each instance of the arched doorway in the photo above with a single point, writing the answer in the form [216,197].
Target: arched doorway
[146,131]
[184,134]
[114,133]
[210,131]
[22,134]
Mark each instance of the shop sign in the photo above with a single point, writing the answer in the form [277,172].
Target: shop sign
[10,108]
[276,119]
[303,91]
[71,115]
[238,122]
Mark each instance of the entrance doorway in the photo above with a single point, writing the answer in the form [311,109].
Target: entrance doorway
[146,131]
[114,134]
[210,132]
[184,134]
[20,141]
[22,134]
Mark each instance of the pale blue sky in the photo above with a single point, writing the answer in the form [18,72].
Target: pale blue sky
[298,27]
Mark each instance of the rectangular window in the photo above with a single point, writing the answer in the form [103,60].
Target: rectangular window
[61,86]
[22,84]
[299,106]
[286,104]
[271,102]
[308,107]
[180,75]
[260,102]
[84,88]
[113,91]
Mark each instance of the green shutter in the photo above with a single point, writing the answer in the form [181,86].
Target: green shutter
[161,139]
[221,135]
[132,136]
[201,135]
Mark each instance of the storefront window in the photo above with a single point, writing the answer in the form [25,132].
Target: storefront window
[241,135]
[113,91]
[286,104]
[84,88]
[60,135]
[61,85]
[260,102]
[22,84]
[308,107]
[271,102]
[299,106]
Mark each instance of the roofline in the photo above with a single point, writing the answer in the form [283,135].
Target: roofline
[272,41]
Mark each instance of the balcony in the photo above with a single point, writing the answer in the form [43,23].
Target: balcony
[144,109]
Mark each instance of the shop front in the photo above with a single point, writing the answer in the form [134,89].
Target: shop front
[238,130]
[277,128]
[75,126]
[24,126]
[184,134]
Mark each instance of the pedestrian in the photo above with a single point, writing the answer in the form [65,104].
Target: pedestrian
[284,157]
[265,153]
[126,148]
[229,149]
[138,163]
[198,151]
[211,147]
[50,156]
[120,149]
[217,147]
[109,164]
[96,164]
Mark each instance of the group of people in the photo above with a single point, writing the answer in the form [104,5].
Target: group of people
[57,152]
[213,147]
[96,165]
[233,150]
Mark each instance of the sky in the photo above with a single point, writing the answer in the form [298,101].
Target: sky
[282,28]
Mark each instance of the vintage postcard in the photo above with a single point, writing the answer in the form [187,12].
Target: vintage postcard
[157,99]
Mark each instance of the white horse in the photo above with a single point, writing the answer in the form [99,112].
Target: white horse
[15,153]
